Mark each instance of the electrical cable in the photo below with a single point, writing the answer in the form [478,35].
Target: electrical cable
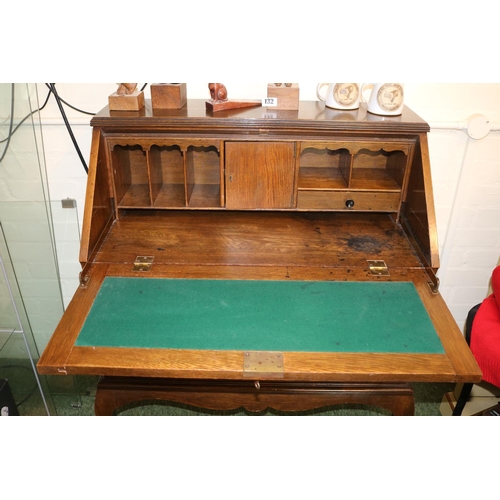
[68,126]
[71,106]
[11,133]
[59,100]
[11,124]
[81,110]
[52,87]
[52,90]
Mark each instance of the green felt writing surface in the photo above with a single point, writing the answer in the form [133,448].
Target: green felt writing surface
[304,316]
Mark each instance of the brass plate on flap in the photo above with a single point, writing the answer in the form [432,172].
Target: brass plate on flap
[263,363]
[143,263]
[378,268]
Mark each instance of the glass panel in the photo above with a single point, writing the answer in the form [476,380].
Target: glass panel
[67,237]
[18,352]
[29,249]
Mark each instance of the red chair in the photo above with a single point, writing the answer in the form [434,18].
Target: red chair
[482,332]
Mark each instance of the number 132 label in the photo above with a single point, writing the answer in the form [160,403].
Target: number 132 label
[270,101]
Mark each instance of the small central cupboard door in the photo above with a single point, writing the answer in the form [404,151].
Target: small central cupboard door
[260,175]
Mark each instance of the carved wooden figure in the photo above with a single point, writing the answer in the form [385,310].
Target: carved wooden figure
[126,88]
[218,92]
[220,102]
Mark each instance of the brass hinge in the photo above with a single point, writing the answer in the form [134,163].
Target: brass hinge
[378,268]
[143,263]
[263,363]
[434,286]
[84,280]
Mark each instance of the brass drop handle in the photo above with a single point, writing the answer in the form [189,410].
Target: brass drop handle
[257,384]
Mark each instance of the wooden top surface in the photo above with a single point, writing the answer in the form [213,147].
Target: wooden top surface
[312,115]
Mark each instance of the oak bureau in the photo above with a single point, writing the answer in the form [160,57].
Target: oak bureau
[258,258]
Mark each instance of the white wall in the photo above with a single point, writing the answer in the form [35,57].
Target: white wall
[466,172]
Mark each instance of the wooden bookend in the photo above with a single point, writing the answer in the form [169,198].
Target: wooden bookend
[225,105]
[220,102]
[168,95]
[286,94]
[128,102]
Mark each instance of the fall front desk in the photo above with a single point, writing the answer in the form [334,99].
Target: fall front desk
[258,259]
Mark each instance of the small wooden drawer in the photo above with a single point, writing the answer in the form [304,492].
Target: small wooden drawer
[348,200]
